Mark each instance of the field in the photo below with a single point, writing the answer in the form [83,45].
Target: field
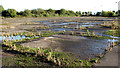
[59,41]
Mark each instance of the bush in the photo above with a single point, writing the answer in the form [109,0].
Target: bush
[9,13]
[1,9]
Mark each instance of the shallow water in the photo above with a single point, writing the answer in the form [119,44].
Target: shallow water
[61,29]
[82,46]
[68,23]
[18,37]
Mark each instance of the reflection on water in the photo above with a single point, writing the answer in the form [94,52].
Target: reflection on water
[69,23]
[82,43]
[14,37]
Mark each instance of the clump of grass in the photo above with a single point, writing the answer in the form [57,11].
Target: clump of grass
[64,31]
[110,32]
[88,32]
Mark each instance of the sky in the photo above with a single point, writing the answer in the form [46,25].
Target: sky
[75,5]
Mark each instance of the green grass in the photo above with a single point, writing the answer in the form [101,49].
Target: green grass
[110,32]
[23,60]
[6,23]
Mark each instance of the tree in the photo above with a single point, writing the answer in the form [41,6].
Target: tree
[78,13]
[118,12]
[51,11]
[110,14]
[107,14]
[83,13]
[38,12]
[1,9]
[70,13]
[27,13]
[86,13]
[62,11]
[9,13]
[104,14]
[34,11]
[98,14]
[90,13]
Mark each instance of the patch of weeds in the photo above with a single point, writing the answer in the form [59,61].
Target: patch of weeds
[95,60]
[110,32]
[6,23]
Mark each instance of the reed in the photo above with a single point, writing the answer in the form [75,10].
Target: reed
[64,31]
[21,36]
[80,27]
[14,34]
[72,32]
[18,38]
[34,35]
[14,47]
[88,32]
[26,35]
[93,33]
[54,60]
[39,34]
[58,60]
[17,33]
[8,35]
[12,37]
[6,40]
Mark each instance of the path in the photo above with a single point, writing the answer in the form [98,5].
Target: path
[110,58]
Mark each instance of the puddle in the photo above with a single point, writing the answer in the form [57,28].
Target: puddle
[14,37]
[81,46]
[69,23]
[18,37]
[94,23]
[86,25]
[109,40]
[61,29]
[58,24]
[101,34]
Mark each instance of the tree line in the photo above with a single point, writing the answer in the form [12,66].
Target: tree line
[53,13]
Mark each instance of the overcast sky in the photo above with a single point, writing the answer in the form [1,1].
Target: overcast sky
[75,5]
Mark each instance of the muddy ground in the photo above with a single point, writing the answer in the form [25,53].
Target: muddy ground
[81,46]
[16,24]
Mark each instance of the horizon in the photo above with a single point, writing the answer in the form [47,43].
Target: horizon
[83,5]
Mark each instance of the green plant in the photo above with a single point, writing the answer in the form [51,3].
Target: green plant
[72,32]
[80,27]
[88,32]
[93,33]
[9,13]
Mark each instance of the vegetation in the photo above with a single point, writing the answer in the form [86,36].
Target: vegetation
[9,13]
[35,56]
[1,9]
[110,32]
[27,56]
[53,13]
[108,14]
